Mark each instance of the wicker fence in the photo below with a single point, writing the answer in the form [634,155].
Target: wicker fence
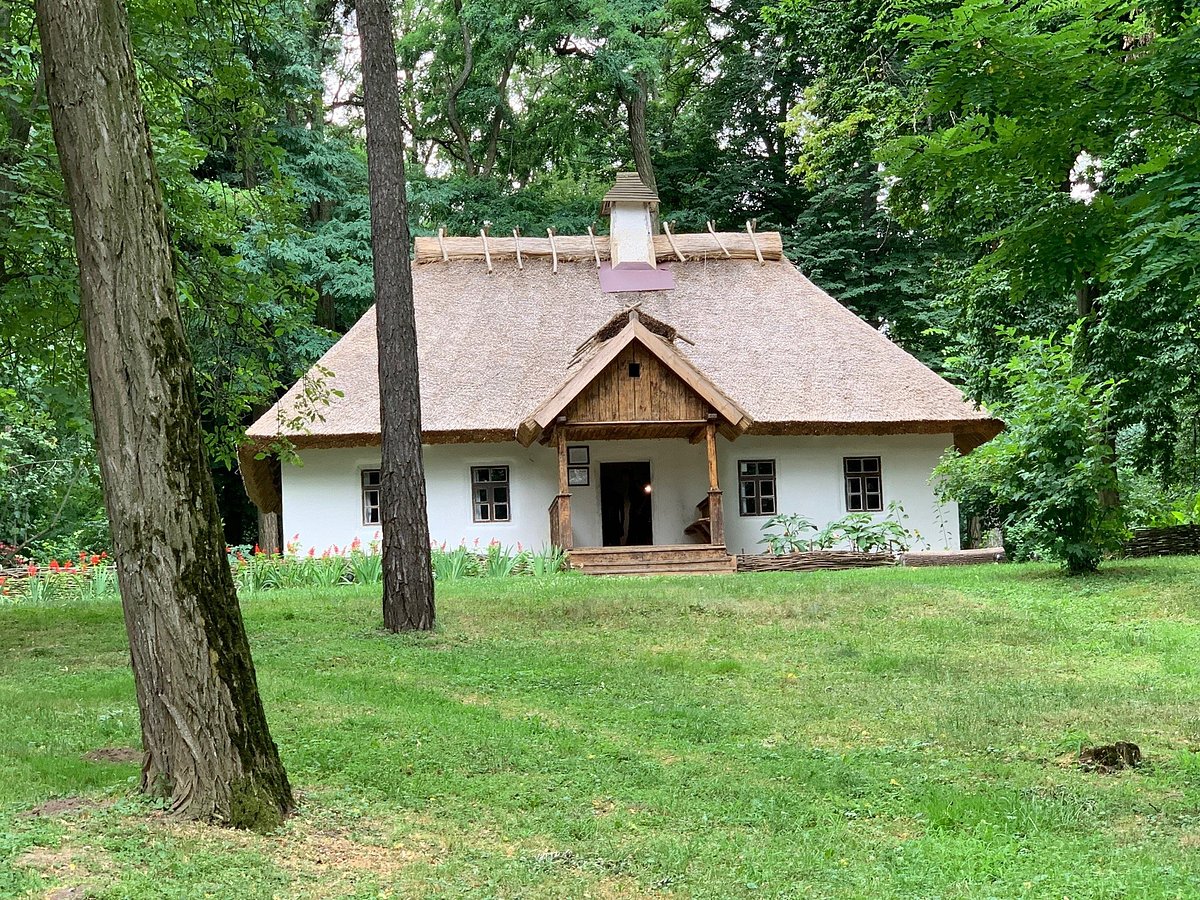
[1174,540]
[812,561]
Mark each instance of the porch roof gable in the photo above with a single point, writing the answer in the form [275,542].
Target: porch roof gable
[544,415]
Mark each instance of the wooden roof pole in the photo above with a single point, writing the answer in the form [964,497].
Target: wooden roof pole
[595,249]
[750,231]
[716,237]
[487,254]
[553,252]
[671,240]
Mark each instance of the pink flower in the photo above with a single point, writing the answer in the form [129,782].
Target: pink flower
[32,570]
[312,551]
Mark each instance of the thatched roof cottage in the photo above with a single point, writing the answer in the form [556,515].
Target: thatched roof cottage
[628,390]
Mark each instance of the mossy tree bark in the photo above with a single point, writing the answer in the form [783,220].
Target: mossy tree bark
[407,574]
[205,736]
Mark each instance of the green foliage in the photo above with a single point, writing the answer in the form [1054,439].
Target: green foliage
[495,561]
[449,565]
[1049,480]
[789,538]
[867,533]
[49,479]
[864,532]
[1062,141]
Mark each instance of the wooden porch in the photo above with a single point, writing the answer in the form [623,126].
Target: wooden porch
[632,383]
[661,559]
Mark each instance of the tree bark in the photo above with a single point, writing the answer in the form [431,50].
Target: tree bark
[205,736]
[407,573]
[635,107]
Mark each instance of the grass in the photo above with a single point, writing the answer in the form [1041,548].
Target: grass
[902,733]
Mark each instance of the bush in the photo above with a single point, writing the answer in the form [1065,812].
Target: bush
[1049,480]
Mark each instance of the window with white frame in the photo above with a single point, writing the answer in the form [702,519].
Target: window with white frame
[864,483]
[370,496]
[489,494]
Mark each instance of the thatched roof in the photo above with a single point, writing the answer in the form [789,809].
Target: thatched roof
[493,347]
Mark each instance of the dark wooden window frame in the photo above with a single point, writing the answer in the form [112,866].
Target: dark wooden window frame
[863,479]
[491,497]
[751,495]
[371,484]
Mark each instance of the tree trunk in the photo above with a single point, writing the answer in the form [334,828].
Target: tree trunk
[635,107]
[203,729]
[1087,307]
[407,574]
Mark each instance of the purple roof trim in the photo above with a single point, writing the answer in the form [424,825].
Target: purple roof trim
[615,280]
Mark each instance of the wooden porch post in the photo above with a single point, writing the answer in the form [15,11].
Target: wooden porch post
[560,510]
[715,513]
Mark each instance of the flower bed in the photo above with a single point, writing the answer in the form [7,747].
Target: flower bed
[93,577]
[89,577]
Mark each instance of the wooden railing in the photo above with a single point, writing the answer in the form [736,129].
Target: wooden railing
[560,522]
[710,522]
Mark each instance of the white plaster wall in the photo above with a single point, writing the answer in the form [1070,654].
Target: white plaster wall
[809,481]
[322,499]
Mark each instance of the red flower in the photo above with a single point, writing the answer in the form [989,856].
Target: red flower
[83,554]
[104,554]
[257,552]
[33,570]
[54,566]
[95,560]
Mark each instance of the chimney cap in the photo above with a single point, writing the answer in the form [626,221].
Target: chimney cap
[628,188]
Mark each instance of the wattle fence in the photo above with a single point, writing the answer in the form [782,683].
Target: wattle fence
[1173,540]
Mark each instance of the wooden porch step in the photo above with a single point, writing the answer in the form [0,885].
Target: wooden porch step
[677,559]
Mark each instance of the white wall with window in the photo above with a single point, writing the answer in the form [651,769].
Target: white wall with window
[502,491]
[824,477]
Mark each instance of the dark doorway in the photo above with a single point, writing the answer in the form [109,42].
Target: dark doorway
[625,504]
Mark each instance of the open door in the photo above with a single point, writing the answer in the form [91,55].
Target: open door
[626,504]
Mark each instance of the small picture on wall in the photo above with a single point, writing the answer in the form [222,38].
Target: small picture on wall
[579,476]
[578,456]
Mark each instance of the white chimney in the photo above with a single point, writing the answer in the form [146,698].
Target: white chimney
[631,240]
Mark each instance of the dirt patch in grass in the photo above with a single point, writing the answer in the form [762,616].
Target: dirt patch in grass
[114,755]
[63,806]
[329,853]
[73,870]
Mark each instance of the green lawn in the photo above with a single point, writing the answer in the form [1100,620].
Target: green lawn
[902,733]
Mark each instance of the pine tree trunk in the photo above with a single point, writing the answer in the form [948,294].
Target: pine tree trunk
[407,573]
[205,736]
